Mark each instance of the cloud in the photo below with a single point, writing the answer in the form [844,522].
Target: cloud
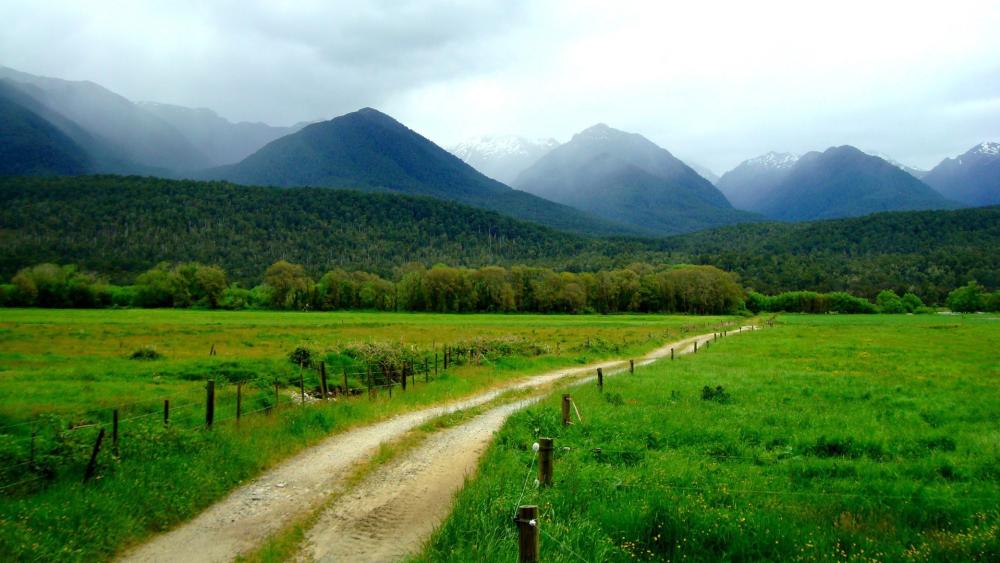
[717,82]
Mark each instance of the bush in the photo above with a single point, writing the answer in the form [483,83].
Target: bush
[301,356]
[966,299]
[912,303]
[842,302]
[146,353]
[890,303]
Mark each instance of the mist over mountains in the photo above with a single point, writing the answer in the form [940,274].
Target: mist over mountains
[601,182]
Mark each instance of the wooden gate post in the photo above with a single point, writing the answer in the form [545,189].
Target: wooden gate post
[92,464]
[565,409]
[545,462]
[527,537]
[209,403]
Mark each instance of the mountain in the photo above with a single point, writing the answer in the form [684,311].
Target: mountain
[221,140]
[747,184]
[502,157]
[625,178]
[135,134]
[845,182]
[371,151]
[915,172]
[704,172]
[30,145]
[972,178]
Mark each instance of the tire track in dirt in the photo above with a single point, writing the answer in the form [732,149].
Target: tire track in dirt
[252,512]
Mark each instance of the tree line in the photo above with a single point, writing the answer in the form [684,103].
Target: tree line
[640,288]
[441,288]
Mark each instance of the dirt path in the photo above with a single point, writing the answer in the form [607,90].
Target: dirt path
[252,512]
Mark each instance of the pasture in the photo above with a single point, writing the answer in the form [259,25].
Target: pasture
[63,373]
[826,438]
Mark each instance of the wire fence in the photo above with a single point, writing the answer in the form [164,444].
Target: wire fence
[56,449]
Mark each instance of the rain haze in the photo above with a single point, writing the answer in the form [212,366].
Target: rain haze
[715,83]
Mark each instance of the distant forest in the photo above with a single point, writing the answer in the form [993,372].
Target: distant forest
[120,227]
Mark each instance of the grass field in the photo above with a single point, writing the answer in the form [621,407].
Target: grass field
[67,369]
[833,438]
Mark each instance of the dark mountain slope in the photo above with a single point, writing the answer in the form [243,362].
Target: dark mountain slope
[138,135]
[30,145]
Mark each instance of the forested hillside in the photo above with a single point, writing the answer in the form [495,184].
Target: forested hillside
[924,251]
[122,226]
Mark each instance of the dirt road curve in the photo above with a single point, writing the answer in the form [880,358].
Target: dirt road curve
[422,484]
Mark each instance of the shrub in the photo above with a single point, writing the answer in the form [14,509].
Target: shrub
[301,356]
[842,302]
[146,353]
[966,299]
[718,394]
[890,303]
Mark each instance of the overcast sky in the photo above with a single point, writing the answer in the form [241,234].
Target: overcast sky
[712,82]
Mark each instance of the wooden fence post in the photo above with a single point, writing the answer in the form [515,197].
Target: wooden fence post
[545,462]
[209,402]
[671,353]
[696,346]
[92,464]
[435,363]
[565,409]
[527,537]
[600,379]
[427,370]
[631,366]
[166,412]
[402,372]
[114,432]
[347,390]
[322,380]
[369,381]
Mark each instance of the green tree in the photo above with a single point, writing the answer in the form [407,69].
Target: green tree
[289,285]
[966,299]
[889,302]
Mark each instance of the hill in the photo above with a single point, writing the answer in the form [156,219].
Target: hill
[121,226]
[30,145]
[625,178]
[371,151]
[929,252]
[972,178]
[845,182]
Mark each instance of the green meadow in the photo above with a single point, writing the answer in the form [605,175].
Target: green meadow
[825,438]
[62,372]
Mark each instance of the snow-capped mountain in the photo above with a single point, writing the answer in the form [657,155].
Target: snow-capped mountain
[972,178]
[915,172]
[502,157]
[746,184]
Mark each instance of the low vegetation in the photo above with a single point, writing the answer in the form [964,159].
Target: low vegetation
[63,372]
[824,438]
